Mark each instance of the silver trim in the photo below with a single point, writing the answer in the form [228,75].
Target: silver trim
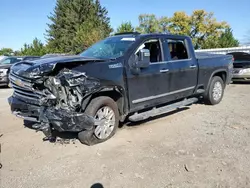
[192,66]
[26,97]
[161,95]
[25,89]
[26,93]
[15,75]
[157,63]
[164,70]
[18,114]
[18,87]
[179,60]
[26,85]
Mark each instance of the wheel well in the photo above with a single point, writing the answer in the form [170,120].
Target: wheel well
[222,74]
[115,95]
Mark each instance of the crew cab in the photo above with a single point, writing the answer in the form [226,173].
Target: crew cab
[128,76]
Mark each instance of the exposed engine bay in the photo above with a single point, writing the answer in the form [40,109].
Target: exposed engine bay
[60,101]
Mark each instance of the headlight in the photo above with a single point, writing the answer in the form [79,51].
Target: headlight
[245,71]
[44,68]
[3,72]
[38,71]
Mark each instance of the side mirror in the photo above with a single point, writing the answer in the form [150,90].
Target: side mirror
[143,59]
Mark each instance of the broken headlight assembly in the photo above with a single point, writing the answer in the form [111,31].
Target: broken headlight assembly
[39,70]
[70,78]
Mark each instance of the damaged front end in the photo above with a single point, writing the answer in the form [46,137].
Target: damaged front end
[54,102]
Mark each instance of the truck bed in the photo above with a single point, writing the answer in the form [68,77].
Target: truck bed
[204,55]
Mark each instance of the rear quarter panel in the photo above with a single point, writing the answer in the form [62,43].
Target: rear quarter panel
[210,64]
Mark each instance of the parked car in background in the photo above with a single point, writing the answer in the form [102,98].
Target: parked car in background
[52,55]
[7,62]
[2,57]
[241,71]
[29,58]
[126,75]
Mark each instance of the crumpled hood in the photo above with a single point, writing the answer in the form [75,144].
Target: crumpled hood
[40,67]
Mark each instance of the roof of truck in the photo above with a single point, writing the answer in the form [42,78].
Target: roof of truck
[137,34]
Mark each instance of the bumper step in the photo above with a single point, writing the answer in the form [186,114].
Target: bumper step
[162,110]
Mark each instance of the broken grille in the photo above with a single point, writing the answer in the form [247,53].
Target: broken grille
[23,90]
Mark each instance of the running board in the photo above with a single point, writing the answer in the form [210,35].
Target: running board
[162,110]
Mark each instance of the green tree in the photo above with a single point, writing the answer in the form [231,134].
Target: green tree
[148,23]
[227,39]
[86,35]
[180,23]
[125,27]
[6,51]
[164,24]
[36,48]
[201,26]
[72,20]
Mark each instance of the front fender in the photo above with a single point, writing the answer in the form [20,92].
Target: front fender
[116,93]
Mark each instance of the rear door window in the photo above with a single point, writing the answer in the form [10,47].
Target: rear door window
[177,49]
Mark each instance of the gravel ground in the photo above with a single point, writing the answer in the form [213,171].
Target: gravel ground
[203,146]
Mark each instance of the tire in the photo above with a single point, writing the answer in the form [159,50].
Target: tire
[96,109]
[215,91]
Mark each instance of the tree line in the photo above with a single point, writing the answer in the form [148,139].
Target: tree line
[77,24]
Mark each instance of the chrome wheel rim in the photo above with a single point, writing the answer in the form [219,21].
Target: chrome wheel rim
[106,118]
[217,91]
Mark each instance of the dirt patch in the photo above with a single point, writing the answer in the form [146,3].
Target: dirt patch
[204,146]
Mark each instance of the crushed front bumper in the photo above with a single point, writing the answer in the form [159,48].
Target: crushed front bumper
[49,117]
[23,110]
[54,103]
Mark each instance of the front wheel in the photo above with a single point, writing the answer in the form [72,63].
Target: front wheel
[105,112]
[215,91]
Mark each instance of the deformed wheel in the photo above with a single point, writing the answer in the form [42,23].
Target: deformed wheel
[106,115]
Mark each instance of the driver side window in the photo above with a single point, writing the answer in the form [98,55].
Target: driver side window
[153,45]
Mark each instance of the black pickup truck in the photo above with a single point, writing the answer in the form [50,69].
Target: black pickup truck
[128,76]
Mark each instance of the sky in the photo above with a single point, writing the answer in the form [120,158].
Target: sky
[23,20]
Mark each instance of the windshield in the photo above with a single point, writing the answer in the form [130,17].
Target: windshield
[109,48]
[10,60]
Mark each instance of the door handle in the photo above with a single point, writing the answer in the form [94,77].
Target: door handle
[192,66]
[164,70]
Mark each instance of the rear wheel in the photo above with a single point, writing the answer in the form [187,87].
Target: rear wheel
[215,91]
[106,115]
